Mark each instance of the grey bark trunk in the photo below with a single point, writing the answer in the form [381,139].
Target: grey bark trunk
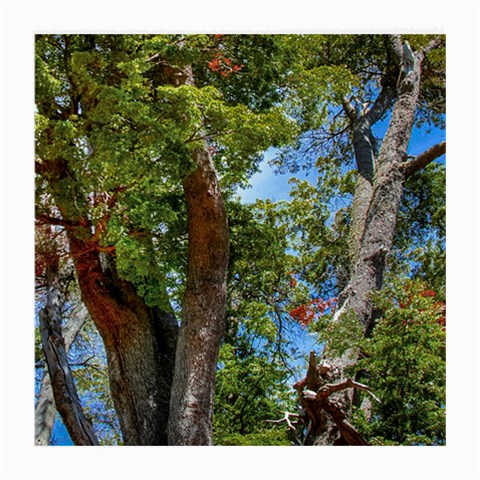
[63,386]
[45,410]
[375,208]
[377,231]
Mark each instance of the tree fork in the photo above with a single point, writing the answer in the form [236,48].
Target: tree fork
[139,341]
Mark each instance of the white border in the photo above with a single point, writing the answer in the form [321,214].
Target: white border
[19,21]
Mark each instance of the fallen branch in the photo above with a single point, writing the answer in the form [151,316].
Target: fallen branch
[315,392]
[324,392]
[314,403]
[291,426]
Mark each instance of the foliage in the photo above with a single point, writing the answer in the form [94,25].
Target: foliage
[126,133]
[106,106]
[250,389]
[276,436]
[421,229]
[404,364]
[254,370]
[339,335]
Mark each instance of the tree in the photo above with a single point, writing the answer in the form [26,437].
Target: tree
[126,126]
[141,143]
[389,83]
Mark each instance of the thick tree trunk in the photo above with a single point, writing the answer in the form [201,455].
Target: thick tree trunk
[204,307]
[365,148]
[139,341]
[45,410]
[63,386]
[375,208]
[381,206]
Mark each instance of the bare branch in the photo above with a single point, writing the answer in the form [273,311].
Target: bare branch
[286,418]
[312,404]
[325,391]
[349,109]
[64,390]
[422,160]
[435,43]
[381,105]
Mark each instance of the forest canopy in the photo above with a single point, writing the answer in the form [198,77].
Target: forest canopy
[169,311]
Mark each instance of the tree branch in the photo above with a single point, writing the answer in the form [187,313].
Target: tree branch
[381,105]
[325,391]
[47,219]
[422,160]
[312,402]
[286,418]
[349,109]
[64,390]
[436,42]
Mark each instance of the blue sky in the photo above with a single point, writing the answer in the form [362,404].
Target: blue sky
[266,184]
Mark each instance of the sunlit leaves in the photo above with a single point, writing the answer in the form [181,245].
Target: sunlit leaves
[405,365]
[315,91]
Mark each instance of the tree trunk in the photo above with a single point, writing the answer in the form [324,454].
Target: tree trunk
[63,386]
[374,214]
[139,341]
[381,206]
[45,410]
[204,307]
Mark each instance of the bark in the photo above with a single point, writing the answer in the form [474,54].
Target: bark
[374,214]
[139,341]
[45,410]
[365,148]
[63,386]
[204,302]
[204,307]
